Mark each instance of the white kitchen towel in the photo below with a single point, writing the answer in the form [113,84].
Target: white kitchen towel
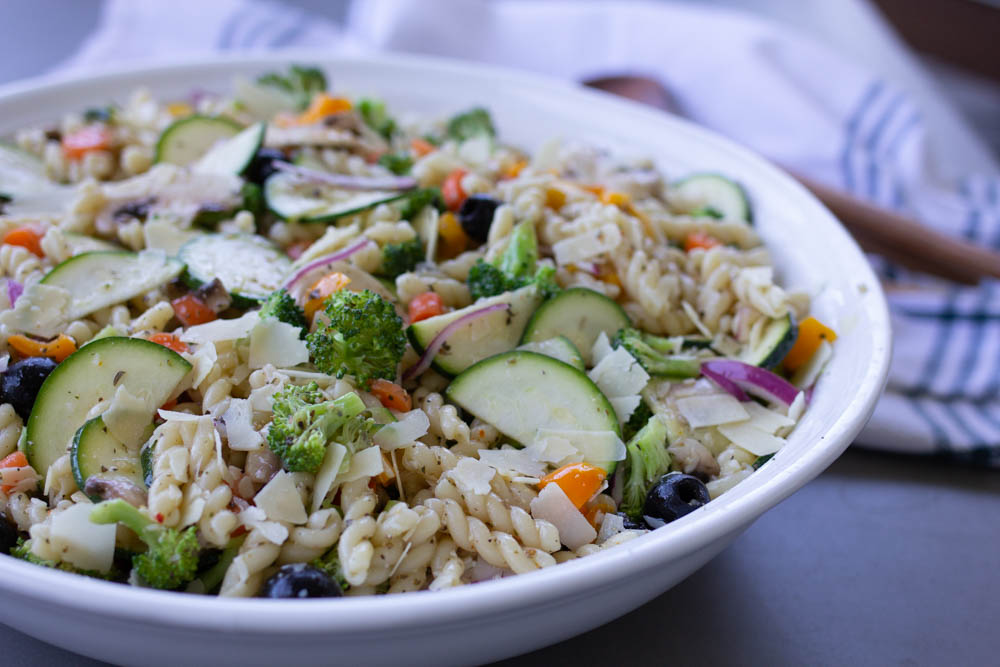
[754,81]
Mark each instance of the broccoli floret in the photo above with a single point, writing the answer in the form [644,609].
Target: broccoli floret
[374,114]
[516,267]
[171,558]
[472,123]
[300,82]
[305,421]
[281,306]
[648,460]
[361,335]
[397,163]
[636,421]
[330,564]
[419,199]
[398,258]
[658,355]
[22,550]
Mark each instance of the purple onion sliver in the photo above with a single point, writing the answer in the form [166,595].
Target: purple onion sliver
[809,393]
[725,384]
[753,380]
[341,254]
[14,291]
[348,182]
[439,340]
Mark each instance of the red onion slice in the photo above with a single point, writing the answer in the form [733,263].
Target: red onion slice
[752,380]
[441,338]
[340,255]
[346,181]
[14,291]
[725,384]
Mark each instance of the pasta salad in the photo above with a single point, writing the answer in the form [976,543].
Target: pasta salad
[289,343]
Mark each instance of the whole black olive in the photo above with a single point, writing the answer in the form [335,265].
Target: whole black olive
[8,535]
[673,496]
[20,383]
[300,581]
[262,165]
[476,216]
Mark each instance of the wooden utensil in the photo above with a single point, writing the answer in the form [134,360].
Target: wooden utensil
[894,236]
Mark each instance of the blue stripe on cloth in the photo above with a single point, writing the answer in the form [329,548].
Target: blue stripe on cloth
[870,95]
[230,27]
[938,434]
[291,33]
[875,165]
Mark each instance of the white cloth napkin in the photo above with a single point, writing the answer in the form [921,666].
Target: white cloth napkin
[795,102]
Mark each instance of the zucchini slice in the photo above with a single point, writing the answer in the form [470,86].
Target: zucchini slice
[579,314]
[188,139]
[90,376]
[95,452]
[104,277]
[490,334]
[716,192]
[291,198]
[249,266]
[560,348]
[520,392]
[233,155]
[775,342]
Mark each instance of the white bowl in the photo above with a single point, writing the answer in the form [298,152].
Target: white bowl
[492,620]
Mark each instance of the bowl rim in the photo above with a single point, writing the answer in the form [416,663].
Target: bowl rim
[415,611]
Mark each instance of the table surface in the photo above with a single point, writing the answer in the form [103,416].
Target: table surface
[880,560]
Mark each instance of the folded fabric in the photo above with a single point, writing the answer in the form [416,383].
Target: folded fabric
[754,81]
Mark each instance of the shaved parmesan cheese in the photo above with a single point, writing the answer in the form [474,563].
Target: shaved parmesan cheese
[581,247]
[472,476]
[42,310]
[711,410]
[240,432]
[751,438]
[366,463]
[766,420]
[513,462]
[280,500]
[601,349]
[88,546]
[221,329]
[797,407]
[277,343]
[262,397]
[594,446]
[554,506]
[411,425]
[161,234]
[174,416]
[624,406]
[553,447]
[202,361]
[611,525]
[255,519]
[619,374]
[128,416]
[327,473]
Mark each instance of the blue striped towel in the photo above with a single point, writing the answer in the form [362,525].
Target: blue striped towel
[794,101]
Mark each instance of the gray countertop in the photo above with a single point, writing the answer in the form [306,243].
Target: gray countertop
[881,560]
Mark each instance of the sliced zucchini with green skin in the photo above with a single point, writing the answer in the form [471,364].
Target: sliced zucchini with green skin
[234,155]
[715,192]
[560,348]
[485,336]
[97,453]
[186,140]
[775,342]
[90,376]
[105,277]
[581,315]
[249,266]
[520,392]
[146,462]
[291,198]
